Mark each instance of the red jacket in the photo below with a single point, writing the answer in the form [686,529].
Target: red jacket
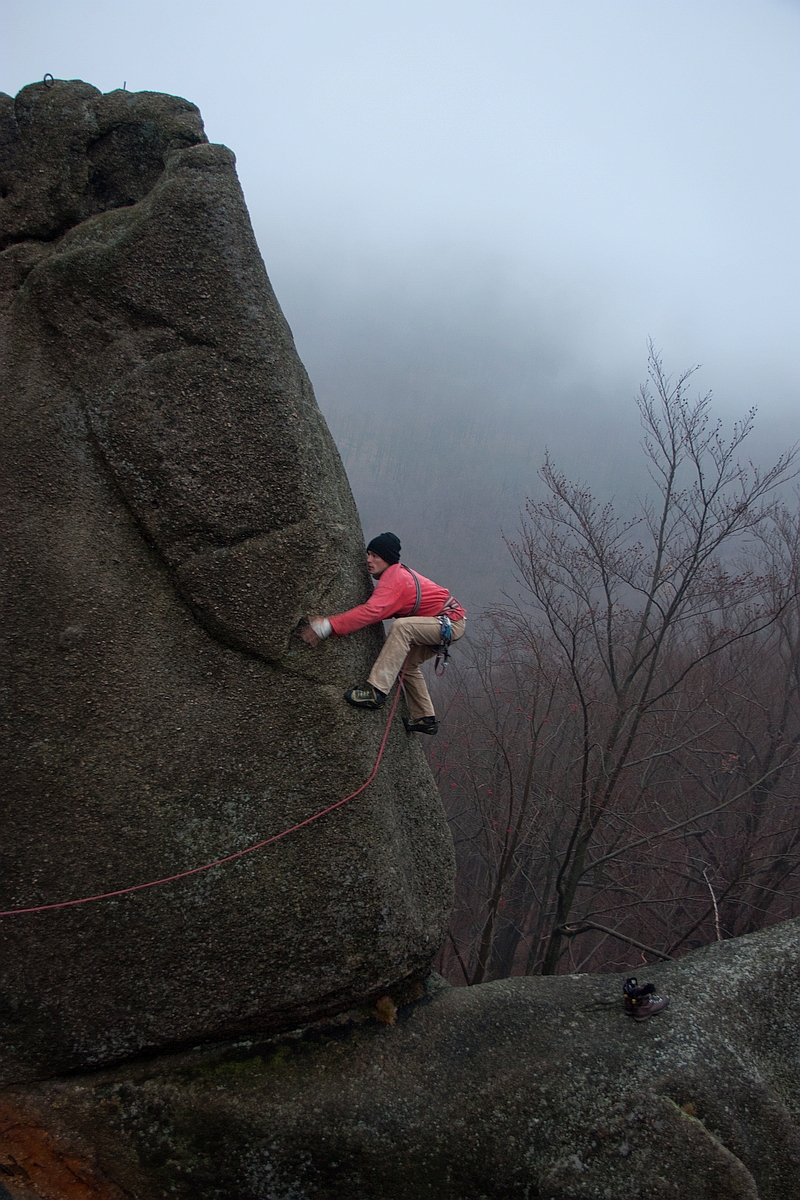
[395,596]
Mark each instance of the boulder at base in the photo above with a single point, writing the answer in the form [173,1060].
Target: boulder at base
[515,1090]
[173,505]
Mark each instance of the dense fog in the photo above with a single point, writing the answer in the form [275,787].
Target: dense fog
[476,215]
[443,404]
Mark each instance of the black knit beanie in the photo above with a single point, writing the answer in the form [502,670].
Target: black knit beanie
[386,546]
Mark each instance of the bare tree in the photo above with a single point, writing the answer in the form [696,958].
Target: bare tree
[754,695]
[607,708]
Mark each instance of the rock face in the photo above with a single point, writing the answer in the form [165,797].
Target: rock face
[520,1088]
[173,504]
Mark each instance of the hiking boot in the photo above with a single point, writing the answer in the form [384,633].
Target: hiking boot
[365,696]
[641,1002]
[421,725]
[650,1006]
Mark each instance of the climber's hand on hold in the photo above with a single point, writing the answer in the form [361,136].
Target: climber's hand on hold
[316,629]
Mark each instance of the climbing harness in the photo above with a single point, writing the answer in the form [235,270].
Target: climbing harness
[445,624]
[138,887]
[443,654]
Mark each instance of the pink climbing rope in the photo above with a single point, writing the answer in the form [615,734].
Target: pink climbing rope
[138,887]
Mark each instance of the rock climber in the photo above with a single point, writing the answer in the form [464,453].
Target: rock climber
[427,619]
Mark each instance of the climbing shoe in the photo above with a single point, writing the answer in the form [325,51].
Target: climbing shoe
[365,696]
[641,1001]
[421,724]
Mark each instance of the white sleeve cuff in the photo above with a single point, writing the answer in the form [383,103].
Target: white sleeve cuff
[321,626]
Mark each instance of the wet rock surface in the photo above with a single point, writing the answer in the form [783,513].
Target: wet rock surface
[520,1088]
[173,505]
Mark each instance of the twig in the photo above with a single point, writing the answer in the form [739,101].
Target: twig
[585,926]
[714,902]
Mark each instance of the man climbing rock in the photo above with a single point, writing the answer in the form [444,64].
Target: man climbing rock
[427,619]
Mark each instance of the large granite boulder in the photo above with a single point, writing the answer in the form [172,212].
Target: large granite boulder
[172,505]
[511,1090]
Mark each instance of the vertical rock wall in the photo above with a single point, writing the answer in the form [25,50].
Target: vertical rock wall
[173,504]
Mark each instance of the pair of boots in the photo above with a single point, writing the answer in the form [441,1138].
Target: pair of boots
[368,696]
[641,1002]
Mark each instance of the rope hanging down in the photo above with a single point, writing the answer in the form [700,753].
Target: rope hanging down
[138,887]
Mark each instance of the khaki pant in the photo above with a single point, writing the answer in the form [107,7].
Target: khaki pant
[420,639]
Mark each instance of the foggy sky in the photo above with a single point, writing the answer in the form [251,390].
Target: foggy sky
[476,214]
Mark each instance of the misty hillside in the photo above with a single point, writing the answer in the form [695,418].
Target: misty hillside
[443,406]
